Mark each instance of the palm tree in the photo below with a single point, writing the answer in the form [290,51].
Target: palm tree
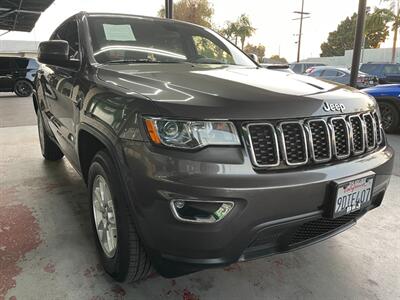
[241,29]
[244,28]
[395,8]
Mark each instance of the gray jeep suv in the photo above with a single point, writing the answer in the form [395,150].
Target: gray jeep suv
[195,156]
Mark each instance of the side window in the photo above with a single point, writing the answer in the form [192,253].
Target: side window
[210,52]
[297,68]
[4,63]
[330,73]
[69,32]
[341,74]
[391,69]
[370,69]
[21,63]
[316,73]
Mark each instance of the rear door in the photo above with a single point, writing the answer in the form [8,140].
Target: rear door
[59,92]
[330,74]
[6,74]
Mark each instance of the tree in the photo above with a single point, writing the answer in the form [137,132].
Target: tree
[195,11]
[278,59]
[395,8]
[376,32]
[230,31]
[239,30]
[258,50]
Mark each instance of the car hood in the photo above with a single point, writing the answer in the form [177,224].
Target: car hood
[385,88]
[231,92]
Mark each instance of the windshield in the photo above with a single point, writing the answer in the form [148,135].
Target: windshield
[124,39]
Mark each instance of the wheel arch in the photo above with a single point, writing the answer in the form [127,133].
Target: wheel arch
[34,100]
[90,141]
[392,100]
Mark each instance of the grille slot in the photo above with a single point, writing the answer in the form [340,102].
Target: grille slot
[370,131]
[378,129]
[294,143]
[264,144]
[320,143]
[357,128]
[341,140]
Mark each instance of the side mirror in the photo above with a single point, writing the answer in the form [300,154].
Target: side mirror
[56,53]
[253,57]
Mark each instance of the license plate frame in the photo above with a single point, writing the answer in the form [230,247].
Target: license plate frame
[352,204]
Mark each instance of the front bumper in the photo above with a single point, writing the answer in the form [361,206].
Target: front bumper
[272,208]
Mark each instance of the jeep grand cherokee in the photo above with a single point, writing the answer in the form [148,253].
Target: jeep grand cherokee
[195,156]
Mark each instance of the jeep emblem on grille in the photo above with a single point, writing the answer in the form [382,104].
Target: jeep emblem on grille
[334,107]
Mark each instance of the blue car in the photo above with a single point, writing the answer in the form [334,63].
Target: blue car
[388,98]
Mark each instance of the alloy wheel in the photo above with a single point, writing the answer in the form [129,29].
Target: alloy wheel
[386,115]
[23,88]
[104,216]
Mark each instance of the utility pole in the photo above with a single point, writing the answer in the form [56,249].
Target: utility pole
[368,10]
[362,5]
[302,17]
[169,8]
[396,29]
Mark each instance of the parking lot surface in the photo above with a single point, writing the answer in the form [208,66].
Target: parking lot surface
[47,249]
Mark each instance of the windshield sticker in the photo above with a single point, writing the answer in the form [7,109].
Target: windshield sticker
[120,33]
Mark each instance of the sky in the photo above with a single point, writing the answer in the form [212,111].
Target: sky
[272,19]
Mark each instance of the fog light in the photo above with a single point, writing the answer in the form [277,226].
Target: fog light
[197,211]
[179,204]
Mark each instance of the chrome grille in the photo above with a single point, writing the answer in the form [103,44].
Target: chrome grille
[294,143]
[264,144]
[357,133]
[370,131]
[378,128]
[340,137]
[301,142]
[320,144]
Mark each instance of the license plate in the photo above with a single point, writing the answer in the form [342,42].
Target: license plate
[352,194]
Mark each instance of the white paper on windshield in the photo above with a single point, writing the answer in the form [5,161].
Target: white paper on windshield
[120,33]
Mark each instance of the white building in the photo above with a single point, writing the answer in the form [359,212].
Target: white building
[367,55]
[18,48]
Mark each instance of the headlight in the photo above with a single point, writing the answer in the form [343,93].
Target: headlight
[191,134]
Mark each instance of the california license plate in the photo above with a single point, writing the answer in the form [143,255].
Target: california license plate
[352,194]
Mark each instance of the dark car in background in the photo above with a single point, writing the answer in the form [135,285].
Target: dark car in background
[17,75]
[194,156]
[301,68]
[388,98]
[342,75]
[278,67]
[386,72]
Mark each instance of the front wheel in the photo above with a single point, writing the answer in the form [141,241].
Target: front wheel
[121,251]
[23,88]
[390,117]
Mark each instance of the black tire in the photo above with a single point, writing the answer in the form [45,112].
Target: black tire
[390,117]
[50,150]
[23,88]
[129,261]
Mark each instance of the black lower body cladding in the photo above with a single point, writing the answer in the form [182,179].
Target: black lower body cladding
[274,211]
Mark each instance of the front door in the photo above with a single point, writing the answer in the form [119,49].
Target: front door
[60,93]
[6,74]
